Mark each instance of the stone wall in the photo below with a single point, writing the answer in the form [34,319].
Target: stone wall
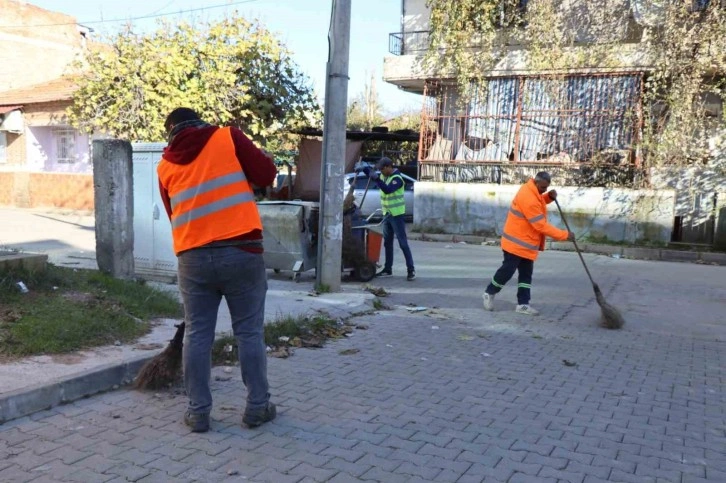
[701,196]
[612,214]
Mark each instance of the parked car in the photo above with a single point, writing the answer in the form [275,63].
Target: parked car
[372,200]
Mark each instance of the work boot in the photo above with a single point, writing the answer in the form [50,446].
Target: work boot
[199,423]
[411,276]
[385,273]
[526,309]
[260,416]
[488,301]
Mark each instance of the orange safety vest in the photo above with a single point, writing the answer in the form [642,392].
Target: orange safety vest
[526,226]
[210,197]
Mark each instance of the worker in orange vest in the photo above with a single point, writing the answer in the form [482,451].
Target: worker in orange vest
[522,240]
[206,178]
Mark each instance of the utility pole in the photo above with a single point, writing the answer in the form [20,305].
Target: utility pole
[330,235]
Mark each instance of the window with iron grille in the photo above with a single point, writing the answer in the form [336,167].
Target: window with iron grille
[65,145]
[559,119]
[699,5]
[583,128]
[3,148]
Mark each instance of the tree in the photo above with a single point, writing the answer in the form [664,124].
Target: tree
[233,72]
[364,112]
[684,42]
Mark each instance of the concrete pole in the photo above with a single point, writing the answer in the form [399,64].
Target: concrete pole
[330,236]
[114,207]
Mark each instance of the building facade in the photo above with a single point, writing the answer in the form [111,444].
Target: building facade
[584,126]
[43,160]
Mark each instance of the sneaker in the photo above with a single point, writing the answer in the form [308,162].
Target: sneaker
[411,276]
[526,309]
[385,273]
[488,301]
[261,416]
[199,423]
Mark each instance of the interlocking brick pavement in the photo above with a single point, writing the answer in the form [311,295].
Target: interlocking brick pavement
[452,395]
[518,415]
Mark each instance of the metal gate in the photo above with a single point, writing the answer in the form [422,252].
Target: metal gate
[153,249]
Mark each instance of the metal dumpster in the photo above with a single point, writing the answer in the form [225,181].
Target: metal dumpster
[290,234]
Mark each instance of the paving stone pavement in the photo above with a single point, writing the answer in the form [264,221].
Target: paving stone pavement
[450,394]
[452,404]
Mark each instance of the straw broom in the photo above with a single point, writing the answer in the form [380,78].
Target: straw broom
[161,371]
[611,317]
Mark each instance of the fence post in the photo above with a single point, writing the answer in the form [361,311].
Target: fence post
[719,235]
[114,207]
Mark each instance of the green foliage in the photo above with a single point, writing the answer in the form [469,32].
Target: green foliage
[68,310]
[233,72]
[689,54]
[683,51]
[365,112]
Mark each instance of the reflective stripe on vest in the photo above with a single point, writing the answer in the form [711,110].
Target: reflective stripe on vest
[207,186]
[521,215]
[394,203]
[519,242]
[228,202]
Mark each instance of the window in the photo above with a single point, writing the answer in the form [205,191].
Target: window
[362,181]
[701,5]
[65,145]
[511,12]
[3,148]
[560,120]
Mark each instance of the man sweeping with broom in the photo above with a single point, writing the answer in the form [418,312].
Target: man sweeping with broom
[522,240]
[206,178]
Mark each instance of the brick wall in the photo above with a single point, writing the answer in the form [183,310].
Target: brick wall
[33,55]
[6,188]
[46,190]
[16,149]
[46,113]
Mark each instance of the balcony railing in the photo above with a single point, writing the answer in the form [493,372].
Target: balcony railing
[417,41]
[405,43]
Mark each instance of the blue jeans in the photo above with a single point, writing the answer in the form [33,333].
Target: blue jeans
[205,276]
[396,225]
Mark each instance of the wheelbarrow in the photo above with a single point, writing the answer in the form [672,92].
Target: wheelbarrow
[363,268]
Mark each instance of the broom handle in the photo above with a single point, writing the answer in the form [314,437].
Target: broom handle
[562,215]
[365,193]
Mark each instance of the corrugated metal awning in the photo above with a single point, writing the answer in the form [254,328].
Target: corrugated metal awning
[6,109]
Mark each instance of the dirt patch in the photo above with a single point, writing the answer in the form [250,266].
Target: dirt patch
[148,347]
[68,359]
[79,297]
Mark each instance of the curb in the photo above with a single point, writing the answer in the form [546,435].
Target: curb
[27,401]
[635,253]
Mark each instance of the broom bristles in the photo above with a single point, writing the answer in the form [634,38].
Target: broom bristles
[163,370]
[611,317]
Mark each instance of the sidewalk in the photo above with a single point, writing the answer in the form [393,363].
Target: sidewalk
[440,390]
[437,389]
[35,383]
[615,251]
[69,240]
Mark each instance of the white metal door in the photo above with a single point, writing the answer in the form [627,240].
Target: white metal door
[164,257]
[153,249]
[143,223]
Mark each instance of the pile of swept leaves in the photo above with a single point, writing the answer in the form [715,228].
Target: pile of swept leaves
[286,334]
